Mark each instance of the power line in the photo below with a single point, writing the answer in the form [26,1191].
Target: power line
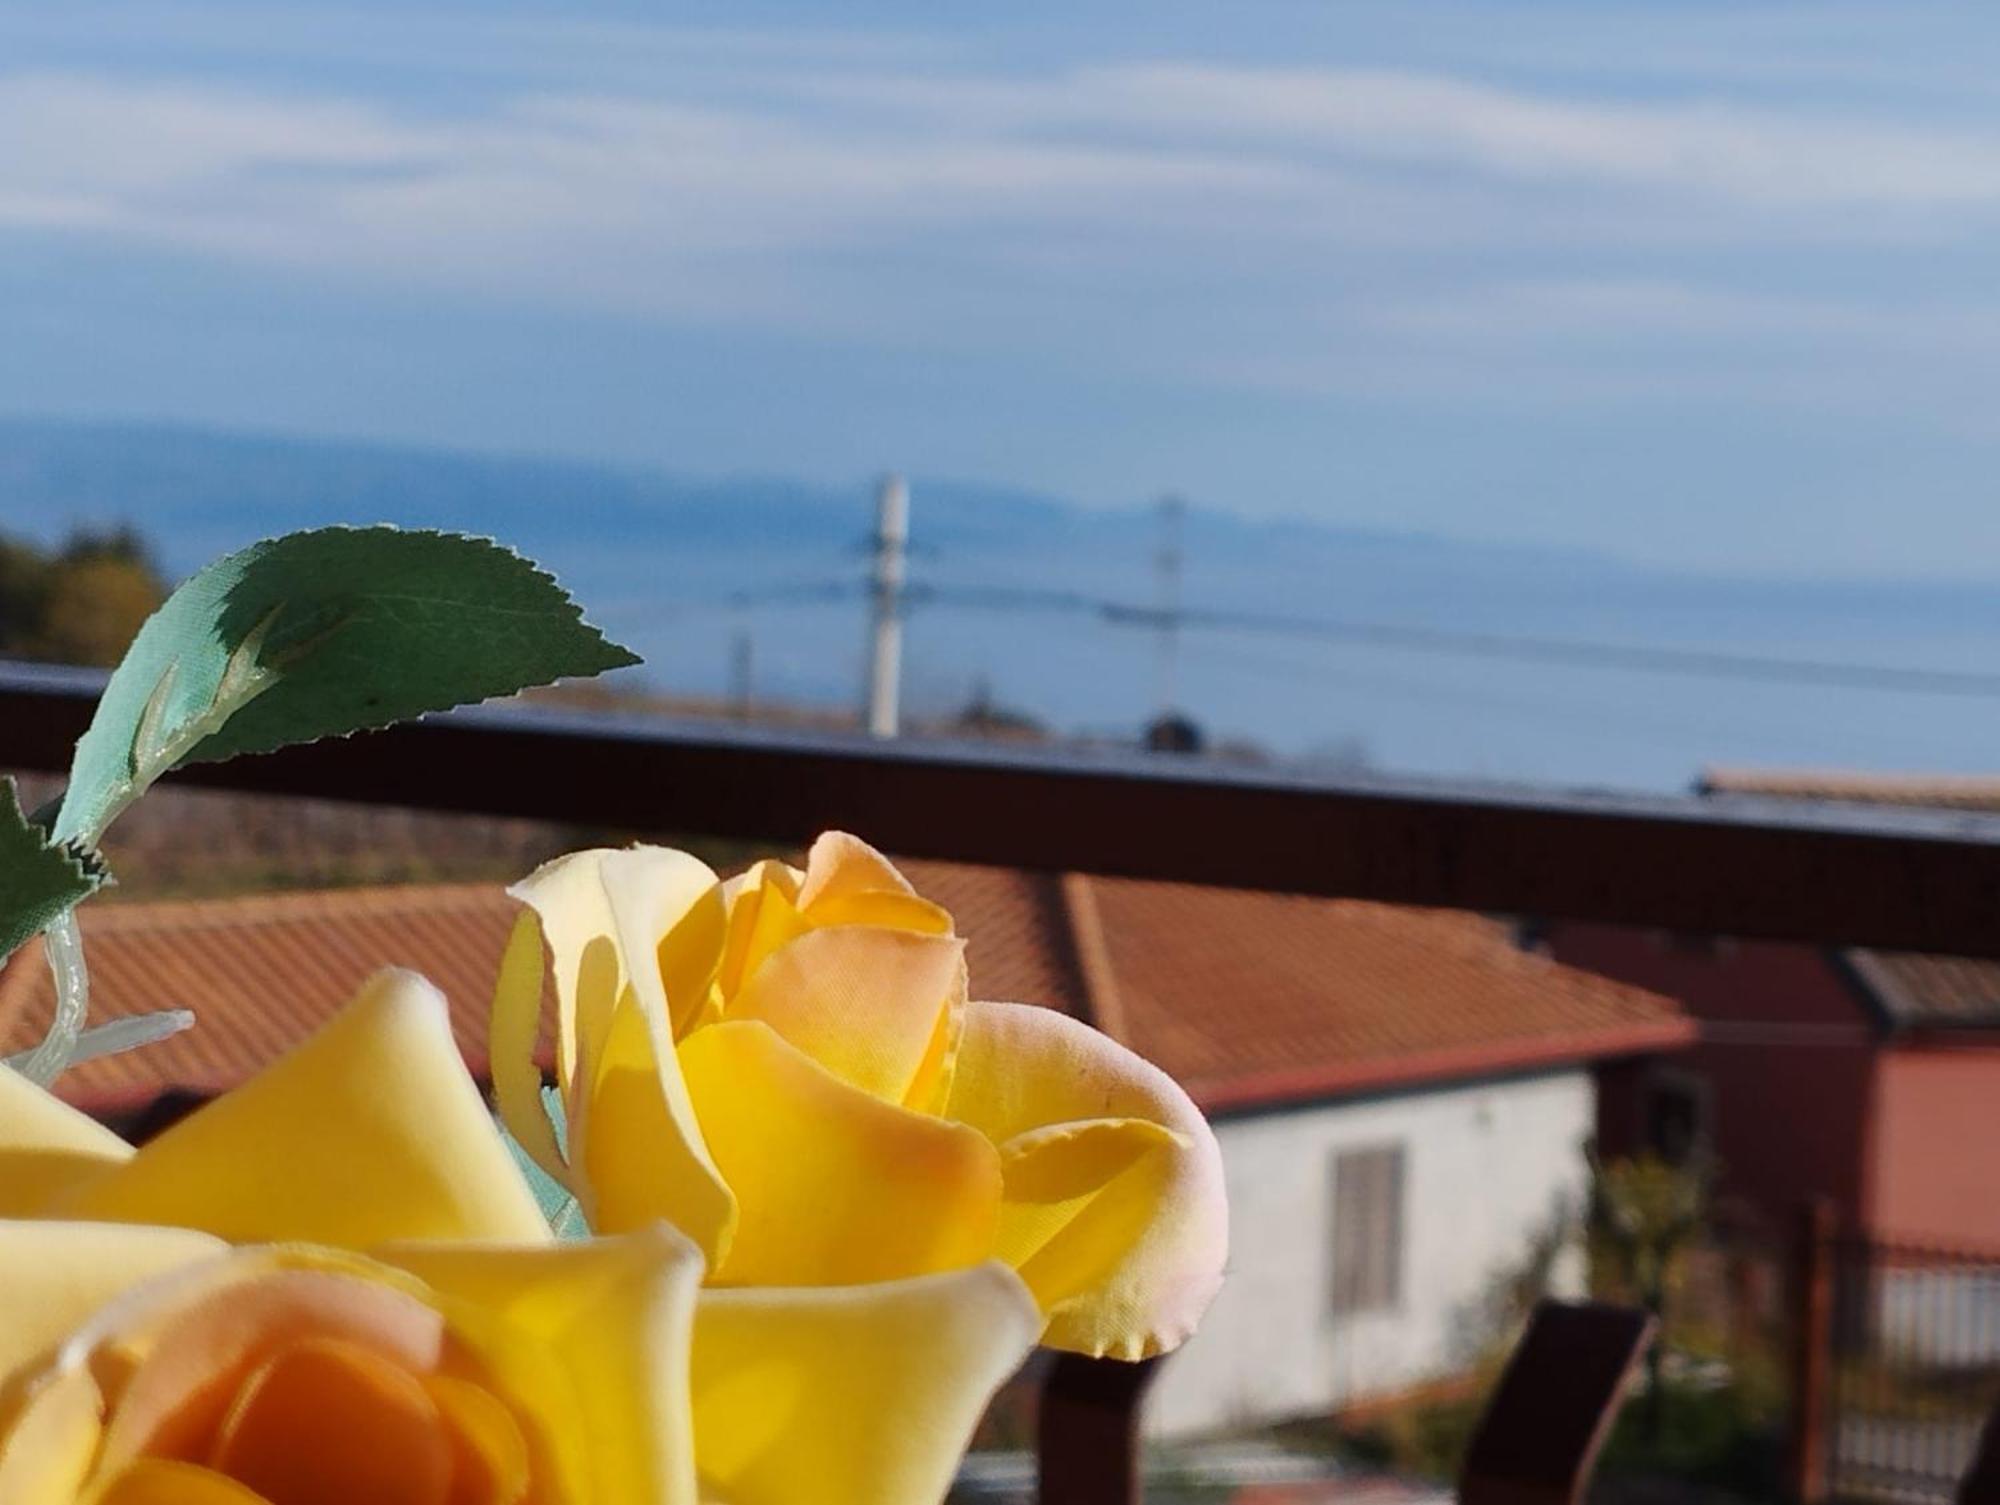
[1575,652]
[1167,620]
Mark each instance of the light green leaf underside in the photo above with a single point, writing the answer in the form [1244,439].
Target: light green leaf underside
[320,634]
[554,1199]
[39,880]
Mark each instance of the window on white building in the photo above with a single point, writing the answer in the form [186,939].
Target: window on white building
[1367,1229]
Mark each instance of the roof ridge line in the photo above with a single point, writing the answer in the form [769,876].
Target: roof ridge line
[1093,957]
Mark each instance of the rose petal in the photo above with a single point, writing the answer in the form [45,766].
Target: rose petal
[175,1355]
[327,1422]
[512,1031]
[617,1315]
[568,895]
[638,1143]
[894,911]
[762,917]
[371,1130]
[840,866]
[47,1148]
[55,1275]
[48,1439]
[835,1186]
[1077,1199]
[491,1464]
[864,1393]
[1022,1069]
[669,912]
[161,1481]
[629,1053]
[865,1003]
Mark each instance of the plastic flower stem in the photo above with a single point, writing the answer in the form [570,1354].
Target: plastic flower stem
[63,945]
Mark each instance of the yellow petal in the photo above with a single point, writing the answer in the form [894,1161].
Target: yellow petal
[835,1187]
[620,1077]
[176,1353]
[841,865]
[864,1393]
[617,1315]
[763,920]
[745,899]
[512,1030]
[327,1422]
[1076,1199]
[370,1131]
[671,922]
[160,1481]
[1023,1069]
[636,1144]
[896,911]
[56,1275]
[568,894]
[48,1439]
[863,1002]
[47,1147]
[491,1463]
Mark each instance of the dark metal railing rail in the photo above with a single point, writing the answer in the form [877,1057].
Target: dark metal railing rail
[1551,1412]
[1914,880]
[1916,1368]
[1895,879]
[1896,1368]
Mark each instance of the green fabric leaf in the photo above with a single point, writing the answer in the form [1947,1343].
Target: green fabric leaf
[319,634]
[39,879]
[557,1205]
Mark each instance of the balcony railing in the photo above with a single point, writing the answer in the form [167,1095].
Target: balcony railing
[1895,879]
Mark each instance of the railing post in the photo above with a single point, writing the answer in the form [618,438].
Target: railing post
[1087,1436]
[1812,1351]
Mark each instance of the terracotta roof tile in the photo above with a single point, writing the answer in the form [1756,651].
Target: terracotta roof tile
[1851,787]
[260,974]
[1018,944]
[1931,991]
[1912,989]
[1245,997]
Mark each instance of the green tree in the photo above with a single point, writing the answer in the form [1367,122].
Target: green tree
[24,572]
[84,604]
[1645,1214]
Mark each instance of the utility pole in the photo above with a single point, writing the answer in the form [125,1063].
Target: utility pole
[1167,565]
[885,656]
[741,658]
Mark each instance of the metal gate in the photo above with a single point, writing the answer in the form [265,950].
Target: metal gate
[1916,1368]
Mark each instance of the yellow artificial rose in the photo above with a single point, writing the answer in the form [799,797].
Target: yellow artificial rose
[333,1285]
[786,1066]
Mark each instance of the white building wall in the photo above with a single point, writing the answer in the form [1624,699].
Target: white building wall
[1487,1168]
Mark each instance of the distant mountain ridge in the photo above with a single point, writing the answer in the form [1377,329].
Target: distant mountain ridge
[659,558]
[55,474]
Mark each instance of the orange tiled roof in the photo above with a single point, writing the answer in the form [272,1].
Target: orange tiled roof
[1911,989]
[1018,943]
[1942,791]
[1247,998]
[260,974]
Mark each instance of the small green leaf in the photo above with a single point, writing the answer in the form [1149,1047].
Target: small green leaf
[39,879]
[564,1216]
[319,634]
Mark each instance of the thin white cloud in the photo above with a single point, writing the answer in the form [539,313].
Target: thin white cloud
[1293,227]
[543,186]
[1756,156]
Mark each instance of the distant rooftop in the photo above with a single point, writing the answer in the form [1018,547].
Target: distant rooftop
[1911,990]
[1941,791]
[1250,999]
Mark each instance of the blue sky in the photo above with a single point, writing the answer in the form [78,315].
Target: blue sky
[1699,284]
